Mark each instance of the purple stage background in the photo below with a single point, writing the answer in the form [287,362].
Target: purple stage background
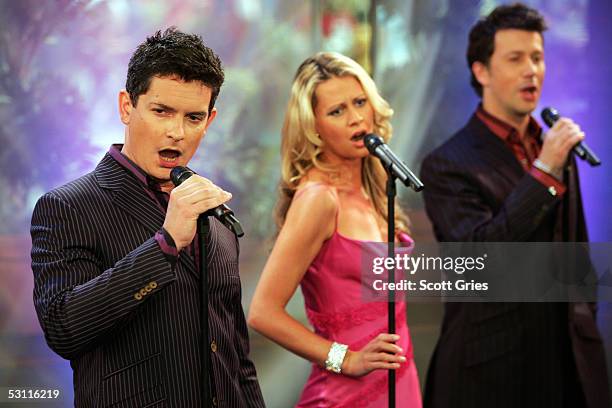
[62,63]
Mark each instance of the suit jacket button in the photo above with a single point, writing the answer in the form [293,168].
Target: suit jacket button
[213,346]
[137,296]
[153,285]
[148,288]
[143,292]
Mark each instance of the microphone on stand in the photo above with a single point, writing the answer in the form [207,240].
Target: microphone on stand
[377,147]
[222,212]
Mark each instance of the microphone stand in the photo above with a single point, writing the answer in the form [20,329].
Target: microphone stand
[395,169]
[225,215]
[416,185]
[391,193]
[203,232]
[203,235]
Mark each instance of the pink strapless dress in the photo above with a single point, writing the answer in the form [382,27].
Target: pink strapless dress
[332,296]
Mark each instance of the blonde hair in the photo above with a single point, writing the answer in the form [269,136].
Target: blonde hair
[301,145]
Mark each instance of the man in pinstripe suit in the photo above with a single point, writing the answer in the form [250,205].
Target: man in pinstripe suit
[116,280]
[495,181]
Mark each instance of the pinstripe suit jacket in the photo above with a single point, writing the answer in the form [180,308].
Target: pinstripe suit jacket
[507,354]
[93,250]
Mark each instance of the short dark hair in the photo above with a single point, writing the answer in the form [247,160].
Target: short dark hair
[482,36]
[173,53]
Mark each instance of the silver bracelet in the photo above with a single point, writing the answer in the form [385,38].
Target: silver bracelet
[335,357]
[537,163]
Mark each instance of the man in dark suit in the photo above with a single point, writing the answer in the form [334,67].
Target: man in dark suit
[495,181]
[116,279]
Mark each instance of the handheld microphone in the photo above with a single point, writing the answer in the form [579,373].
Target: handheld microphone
[377,147]
[550,116]
[223,213]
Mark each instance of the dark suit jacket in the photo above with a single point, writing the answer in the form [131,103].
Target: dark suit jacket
[507,354]
[93,250]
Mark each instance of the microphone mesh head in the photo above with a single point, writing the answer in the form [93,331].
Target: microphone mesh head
[180,174]
[372,141]
[550,116]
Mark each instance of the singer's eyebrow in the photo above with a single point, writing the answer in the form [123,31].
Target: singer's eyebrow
[513,53]
[170,109]
[336,106]
[162,106]
[343,104]
[351,99]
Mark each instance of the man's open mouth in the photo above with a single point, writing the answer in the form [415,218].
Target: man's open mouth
[531,89]
[169,155]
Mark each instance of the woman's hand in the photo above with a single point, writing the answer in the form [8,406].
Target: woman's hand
[380,353]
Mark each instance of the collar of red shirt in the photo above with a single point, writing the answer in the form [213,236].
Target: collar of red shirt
[133,168]
[504,130]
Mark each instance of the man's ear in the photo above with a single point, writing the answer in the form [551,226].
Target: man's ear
[125,106]
[211,116]
[481,72]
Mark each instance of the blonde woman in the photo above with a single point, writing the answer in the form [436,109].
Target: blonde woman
[332,199]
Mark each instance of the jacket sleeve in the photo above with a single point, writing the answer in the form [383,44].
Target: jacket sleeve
[77,302]
[457,206]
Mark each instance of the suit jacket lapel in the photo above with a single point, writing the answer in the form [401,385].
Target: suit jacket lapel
[497,155]
[129,195]
[570,214]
